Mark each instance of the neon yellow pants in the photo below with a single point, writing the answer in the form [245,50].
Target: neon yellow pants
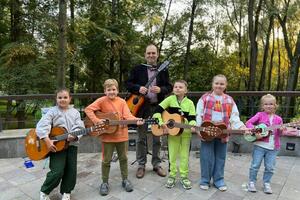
[179,147]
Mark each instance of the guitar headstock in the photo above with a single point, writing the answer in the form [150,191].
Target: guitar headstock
[212,131]
[151,121]
[295,124]
[163,66]
[98,128]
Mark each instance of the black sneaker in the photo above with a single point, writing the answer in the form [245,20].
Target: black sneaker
[126,184]
[104,189]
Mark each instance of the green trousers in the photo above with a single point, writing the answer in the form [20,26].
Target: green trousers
[107,152]
[63,167]
[179,147]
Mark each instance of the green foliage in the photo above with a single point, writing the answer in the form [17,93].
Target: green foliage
[110,38]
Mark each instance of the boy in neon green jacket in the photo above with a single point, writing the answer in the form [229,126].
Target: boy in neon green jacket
[178,145]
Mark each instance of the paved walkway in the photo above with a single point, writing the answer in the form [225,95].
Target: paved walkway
[17,182]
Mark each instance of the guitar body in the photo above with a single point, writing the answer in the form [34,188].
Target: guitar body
[209,137]
[36,149]
[134,103]
[261,129]
[106,129]
[168,118]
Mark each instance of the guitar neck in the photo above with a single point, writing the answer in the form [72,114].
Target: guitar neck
[74,133]
[273,127]
[235,131]
[151,80]
[122,122]
[187,126]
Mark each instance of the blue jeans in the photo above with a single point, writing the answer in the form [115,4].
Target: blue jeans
[212,162]
[269,156]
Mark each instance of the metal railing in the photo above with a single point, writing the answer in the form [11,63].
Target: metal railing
[23,111]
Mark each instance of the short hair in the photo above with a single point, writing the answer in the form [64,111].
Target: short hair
[183,82]
[219,76]
[151,44]
[110,82]
[63,89]
[267,96]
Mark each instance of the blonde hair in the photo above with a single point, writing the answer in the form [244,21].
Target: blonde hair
[110,82]
[263,99]
[219,76]
[183,82]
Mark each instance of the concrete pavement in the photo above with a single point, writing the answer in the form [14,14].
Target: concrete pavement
[18,182]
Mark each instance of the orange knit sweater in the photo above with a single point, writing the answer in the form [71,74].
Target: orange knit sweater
[106,105]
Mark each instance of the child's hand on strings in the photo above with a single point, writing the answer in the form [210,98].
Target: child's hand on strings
[50,144]
[71,138]
[165,129]
[140,121]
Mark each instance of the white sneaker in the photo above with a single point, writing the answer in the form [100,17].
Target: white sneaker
[66,196]
[204,187]
[267,188]
[44,196]
[251,187]
[223,188]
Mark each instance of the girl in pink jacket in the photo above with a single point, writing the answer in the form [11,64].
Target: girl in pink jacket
[265,148]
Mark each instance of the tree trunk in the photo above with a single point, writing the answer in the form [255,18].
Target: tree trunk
[279,64]
[294,65]
[72,45]
[61,82]
[261,84]
[253,28]
[164,28]
[271,62]
[189,42]
[15,20]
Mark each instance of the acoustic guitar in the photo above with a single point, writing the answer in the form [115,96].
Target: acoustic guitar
[112,122]
[265,131]
[209,130]
[135,101]
[175,125]
[36,148]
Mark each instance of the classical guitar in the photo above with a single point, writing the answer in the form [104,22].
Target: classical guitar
[135,101]
[175,126]
[265,131]
[36,148]
[112,122]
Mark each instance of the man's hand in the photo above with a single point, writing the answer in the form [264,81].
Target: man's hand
[143,90]
[155,89]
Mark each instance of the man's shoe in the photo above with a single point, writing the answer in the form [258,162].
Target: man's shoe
[160,172]
[251,187]
[140,173]
[44,196]
[267,188]
[126,184]
[66,196]
[104,189]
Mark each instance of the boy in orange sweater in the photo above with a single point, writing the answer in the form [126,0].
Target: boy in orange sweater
[111,103]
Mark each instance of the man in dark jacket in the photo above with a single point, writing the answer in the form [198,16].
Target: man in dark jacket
[156,92]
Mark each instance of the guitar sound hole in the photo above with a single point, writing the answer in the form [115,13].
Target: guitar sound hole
[171,124]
